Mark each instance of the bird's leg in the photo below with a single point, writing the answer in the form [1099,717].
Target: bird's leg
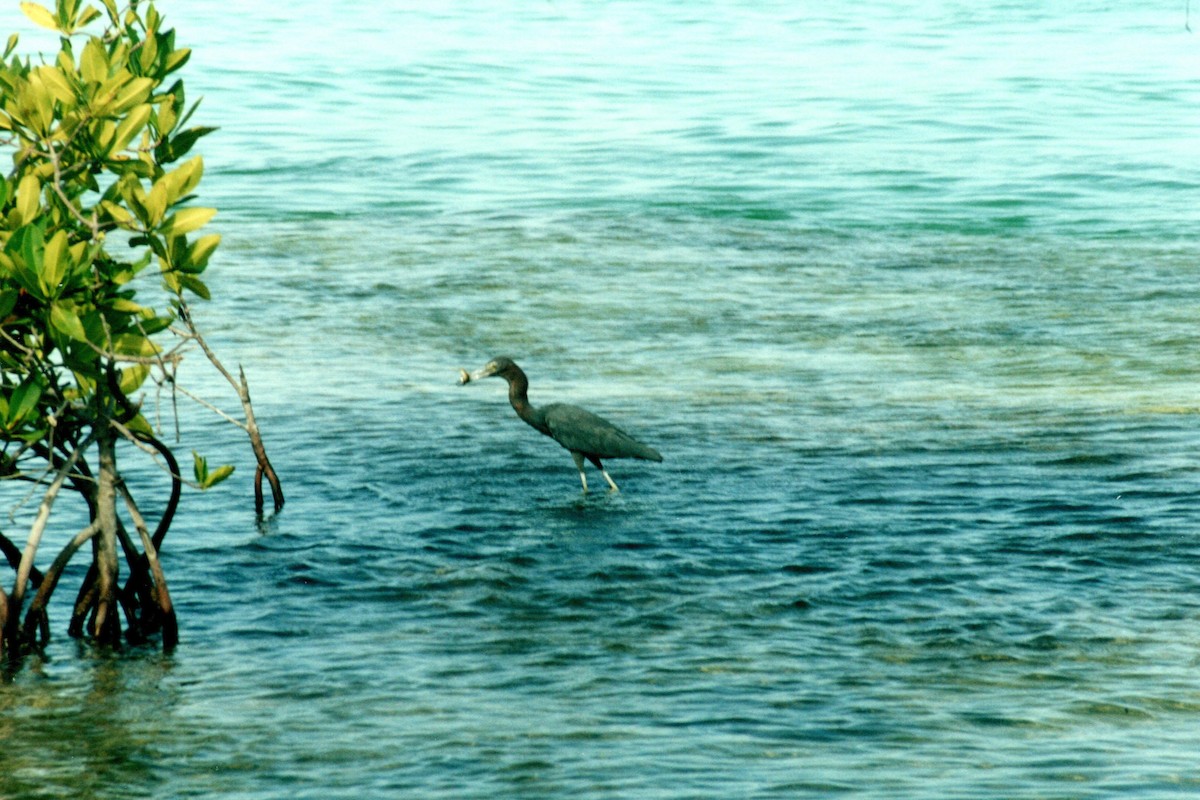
[603,471]
[579,466]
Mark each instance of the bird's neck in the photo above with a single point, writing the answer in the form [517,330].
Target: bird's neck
[518,396]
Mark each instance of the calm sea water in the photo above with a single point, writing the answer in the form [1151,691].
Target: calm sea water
[907,295]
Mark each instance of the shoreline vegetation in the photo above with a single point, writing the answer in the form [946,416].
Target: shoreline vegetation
[100,192]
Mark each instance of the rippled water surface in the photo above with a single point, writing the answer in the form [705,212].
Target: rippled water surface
[906,294]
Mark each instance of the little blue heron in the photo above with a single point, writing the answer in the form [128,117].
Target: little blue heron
[583,433]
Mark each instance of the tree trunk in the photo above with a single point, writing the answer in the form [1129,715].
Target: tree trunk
[106,623]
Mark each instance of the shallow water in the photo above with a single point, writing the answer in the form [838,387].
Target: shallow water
[907,299]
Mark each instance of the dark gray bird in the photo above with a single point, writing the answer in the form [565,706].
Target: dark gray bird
[583,433]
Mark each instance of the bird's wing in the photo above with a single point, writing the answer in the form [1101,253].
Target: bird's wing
[582,431]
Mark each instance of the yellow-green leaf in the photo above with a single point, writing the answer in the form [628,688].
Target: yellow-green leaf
[116,213]
[93,64]
[67,321]
[139,424]
[129,127]
[149,52]
[135,92]
[134,344]
[166,115]
[201,250]
[54,262]
[40,15]
[217,475]
[133,377]
[129,307]
[56,82]
[185,179]
[36,104]
[188,220]
[89,14]
[177,59]
[136,199]
[29,198]
[156,202]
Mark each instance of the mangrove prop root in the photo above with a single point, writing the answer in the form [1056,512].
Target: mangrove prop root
[36,617]
[143,599]
[84,602]
[106,542]
[3,619]
[13,554]
[158,582]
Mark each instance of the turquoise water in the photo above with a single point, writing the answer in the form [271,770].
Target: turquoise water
[907,297]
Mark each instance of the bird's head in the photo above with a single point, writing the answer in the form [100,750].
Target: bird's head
[501,366]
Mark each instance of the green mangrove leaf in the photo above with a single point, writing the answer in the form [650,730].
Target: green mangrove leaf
[55,262]
[139,424]
[185,179]
[8,300]
[199,467]
[178,146]
[129,127]
[166,116]
[93,64]
[187,220]
[40,15]
[116,213]
[217,475]
[29,197]
[66,321]
[132,378]
[206,478]
[194,285]
[31,244]
[201,251]
[87,17]
[57,83]
[134,344]
[176,59]
[24,399]
[156,203]
[126,306]
[147,56]
[135,92]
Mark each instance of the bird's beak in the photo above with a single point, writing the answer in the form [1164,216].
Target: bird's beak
[486,371]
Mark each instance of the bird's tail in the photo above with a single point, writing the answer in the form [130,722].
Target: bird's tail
[648,453]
